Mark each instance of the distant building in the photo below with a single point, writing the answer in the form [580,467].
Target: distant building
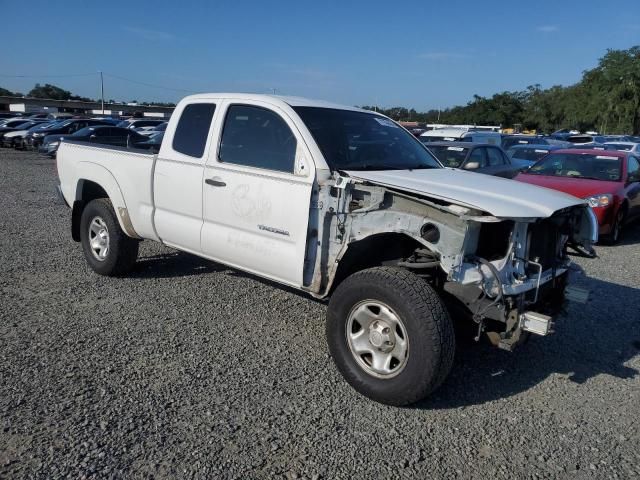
[77,107]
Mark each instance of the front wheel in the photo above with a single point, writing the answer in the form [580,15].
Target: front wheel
[390,335]
[107,249]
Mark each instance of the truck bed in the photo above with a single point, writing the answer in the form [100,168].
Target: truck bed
[126,174]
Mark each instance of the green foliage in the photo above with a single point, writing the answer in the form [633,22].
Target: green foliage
[8,93]
[49,91]
[54,93]
[607,99]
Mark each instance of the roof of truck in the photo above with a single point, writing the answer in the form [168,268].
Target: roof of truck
[289,100]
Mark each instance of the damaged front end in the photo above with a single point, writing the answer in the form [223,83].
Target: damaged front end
[508,274]
[514,271]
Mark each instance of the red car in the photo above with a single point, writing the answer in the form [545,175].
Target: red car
[608,180]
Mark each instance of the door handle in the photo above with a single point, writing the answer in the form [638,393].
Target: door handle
[215,183]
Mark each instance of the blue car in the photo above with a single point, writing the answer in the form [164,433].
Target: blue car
[523,156]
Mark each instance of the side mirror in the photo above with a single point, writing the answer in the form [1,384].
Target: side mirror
[472,165]
[92,137]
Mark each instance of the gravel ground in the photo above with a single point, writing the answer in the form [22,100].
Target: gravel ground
[187,369]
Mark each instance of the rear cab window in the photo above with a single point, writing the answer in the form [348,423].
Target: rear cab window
[192,130]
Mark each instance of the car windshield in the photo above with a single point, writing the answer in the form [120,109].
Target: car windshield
[352,140]
[431,138]
[509,142]
[531,154]
[449,156]
[83,132]
[13,123]
[41,126]
[579,165]
[62,124]
[625,147]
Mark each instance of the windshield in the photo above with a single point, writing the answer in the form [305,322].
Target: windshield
[625,147]
[509,142]
[83,132]
[37,126]
[576,165]
[531,154]
[430,138]
[62,124]
[449,156]
[16,123]
[352,140]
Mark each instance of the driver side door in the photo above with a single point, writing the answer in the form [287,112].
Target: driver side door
[257,193]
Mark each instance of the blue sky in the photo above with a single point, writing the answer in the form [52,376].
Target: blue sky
[416,54]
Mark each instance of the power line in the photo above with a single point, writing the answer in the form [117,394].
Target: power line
[98,73]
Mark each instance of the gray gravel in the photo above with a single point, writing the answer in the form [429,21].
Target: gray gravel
[187,369]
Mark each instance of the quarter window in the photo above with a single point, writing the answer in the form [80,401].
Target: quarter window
[495,157]
[257,137]
[193,129]
[478,155]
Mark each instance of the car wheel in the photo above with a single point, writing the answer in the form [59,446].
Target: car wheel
[107,249]
[390,335]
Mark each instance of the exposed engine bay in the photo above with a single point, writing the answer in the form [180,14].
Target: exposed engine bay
[507,274]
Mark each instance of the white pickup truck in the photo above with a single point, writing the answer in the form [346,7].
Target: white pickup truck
[342,203]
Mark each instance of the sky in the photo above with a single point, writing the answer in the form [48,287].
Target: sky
[420,55]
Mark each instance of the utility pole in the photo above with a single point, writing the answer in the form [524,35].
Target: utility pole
[102,91]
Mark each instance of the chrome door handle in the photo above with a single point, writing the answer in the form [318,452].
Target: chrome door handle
[215,183]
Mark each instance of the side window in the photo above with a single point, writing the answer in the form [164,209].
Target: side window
[257,137]
[495,157]
[633,170]
[478,155]
[193,129]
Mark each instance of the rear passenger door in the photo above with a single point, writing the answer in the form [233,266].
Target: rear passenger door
[178,175]
[257,190]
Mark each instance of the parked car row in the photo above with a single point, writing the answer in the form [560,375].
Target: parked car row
[604,170]
[609,181]
[45,135]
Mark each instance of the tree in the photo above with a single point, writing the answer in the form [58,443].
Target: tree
[8,93]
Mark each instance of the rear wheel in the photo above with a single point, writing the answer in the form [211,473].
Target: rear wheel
[107,249]
[390,335]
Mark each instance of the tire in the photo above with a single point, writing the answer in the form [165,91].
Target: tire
[386,296]
[616,229]
[113,253]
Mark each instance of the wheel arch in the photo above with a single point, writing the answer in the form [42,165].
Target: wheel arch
[372,251]
[95,181]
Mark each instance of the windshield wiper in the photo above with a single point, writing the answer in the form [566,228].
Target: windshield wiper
[592,178]
[390,167]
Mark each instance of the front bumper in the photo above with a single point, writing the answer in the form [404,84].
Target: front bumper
[605,217]
[507,323]
[49,150]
